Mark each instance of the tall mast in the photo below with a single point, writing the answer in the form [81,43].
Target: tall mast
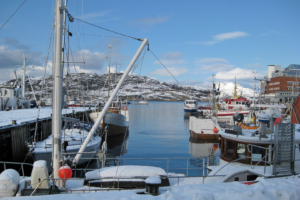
[23,81]
[116,76]
[109,70]
[57,90]
[235,90]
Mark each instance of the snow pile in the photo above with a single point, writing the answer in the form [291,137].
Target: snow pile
[153,180]
[125,172]
[276,188]
[9,182]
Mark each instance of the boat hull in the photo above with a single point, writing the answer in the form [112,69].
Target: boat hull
[47,155]
[117,123]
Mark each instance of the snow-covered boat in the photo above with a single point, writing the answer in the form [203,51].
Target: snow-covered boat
[190,106]
[73,136]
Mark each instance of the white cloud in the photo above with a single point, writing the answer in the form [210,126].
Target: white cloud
[149,22]
[217,67]
[172,59]
[212,65]
[174,71]
[238,73]
[225,36]
[211,60]
[232,35]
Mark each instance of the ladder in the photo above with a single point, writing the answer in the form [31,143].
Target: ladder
[284,157]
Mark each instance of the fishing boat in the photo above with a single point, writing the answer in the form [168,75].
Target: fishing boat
[116,118]
[248,154]
[190,105]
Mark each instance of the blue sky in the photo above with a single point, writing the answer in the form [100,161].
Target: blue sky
[193,39]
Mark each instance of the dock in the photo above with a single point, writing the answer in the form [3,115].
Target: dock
[17,127]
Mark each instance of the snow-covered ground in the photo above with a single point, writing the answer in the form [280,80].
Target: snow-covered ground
[286,188]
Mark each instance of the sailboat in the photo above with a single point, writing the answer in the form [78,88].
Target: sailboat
[117,116]
[74,133]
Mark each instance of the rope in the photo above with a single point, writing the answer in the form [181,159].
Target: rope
[165,67]
[138,39]
[12,15]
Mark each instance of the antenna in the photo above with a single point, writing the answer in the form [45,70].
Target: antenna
[254,85]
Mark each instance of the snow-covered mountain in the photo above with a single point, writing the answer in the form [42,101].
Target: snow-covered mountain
[90,86]
[227,89]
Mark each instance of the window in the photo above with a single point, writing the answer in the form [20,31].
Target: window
[230,148]
[241,151]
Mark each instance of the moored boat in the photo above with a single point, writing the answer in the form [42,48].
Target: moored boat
[190,105]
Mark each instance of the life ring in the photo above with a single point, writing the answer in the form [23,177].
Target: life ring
[124,107]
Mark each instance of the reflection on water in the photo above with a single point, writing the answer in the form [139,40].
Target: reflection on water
[204,148]
[117,146]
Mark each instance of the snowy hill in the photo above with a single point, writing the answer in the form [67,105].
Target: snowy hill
[90,86]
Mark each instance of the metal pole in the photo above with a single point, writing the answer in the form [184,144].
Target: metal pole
[57,93]
[23,81]
[107,105]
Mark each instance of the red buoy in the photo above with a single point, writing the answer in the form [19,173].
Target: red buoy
[65,172]
[215,146]
[215,130]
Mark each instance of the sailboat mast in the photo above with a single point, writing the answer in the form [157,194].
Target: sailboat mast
[23,81]
[107,105]
[116,76]
[108,70]
[57,90]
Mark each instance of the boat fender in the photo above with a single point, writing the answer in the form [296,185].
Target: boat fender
[215,130]
[124,107]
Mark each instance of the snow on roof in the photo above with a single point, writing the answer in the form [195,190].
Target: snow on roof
[25,115]
[125,171]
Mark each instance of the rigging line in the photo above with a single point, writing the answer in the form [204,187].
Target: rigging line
[164,67]
[101,36]
[109,30]
[12,15]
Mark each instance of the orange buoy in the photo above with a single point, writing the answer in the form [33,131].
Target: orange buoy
[215,147]
[65,172]
[215,130]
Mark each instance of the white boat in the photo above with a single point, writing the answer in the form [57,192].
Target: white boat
[144,102]
[13,97]
[190,105]
[116,118]
[72,138]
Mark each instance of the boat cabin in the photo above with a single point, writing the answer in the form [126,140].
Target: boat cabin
[240,151]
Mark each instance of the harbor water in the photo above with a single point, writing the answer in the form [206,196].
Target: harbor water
[159,136]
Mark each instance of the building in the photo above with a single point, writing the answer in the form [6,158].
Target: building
[281,85]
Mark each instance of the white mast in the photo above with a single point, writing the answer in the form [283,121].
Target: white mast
[57,90]
[24,71]
[107,105]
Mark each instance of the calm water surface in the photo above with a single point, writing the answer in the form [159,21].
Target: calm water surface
[160,130]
